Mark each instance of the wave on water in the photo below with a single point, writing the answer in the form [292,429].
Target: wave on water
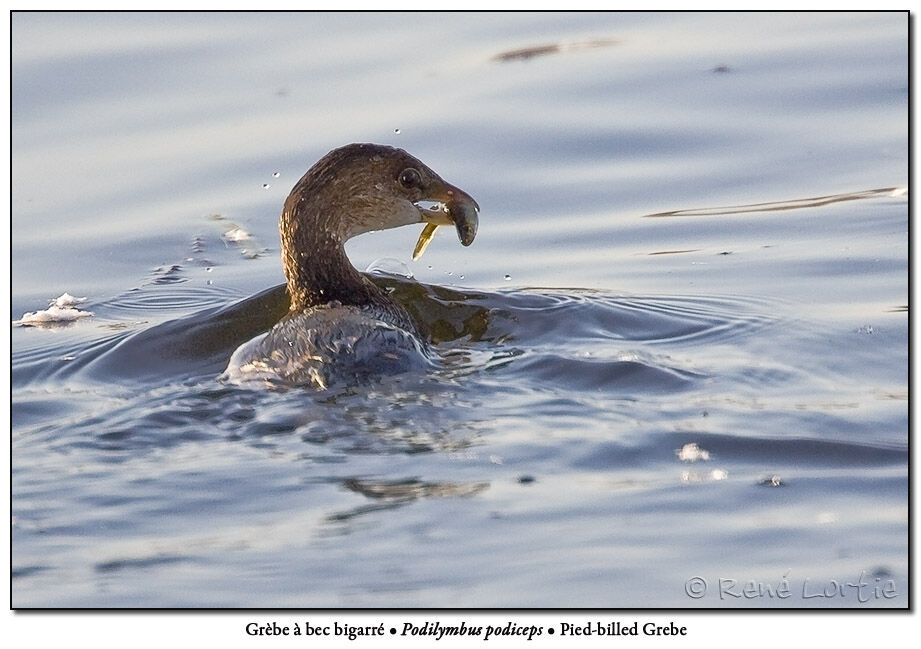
[794,204]
[541,330]
[164,389]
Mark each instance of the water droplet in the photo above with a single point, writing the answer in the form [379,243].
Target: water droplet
[276,175]
[389,266]
[429,267]
[508,278]
[397,131]
[772,481]
[265,185]
[460,277]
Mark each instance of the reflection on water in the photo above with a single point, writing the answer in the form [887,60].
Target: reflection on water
[395,493]
[526,53]
[619,402]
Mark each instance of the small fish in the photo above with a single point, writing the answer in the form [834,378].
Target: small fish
[462,212]
[427,233]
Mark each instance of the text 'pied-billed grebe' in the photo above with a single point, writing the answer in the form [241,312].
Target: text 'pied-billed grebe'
[341,325]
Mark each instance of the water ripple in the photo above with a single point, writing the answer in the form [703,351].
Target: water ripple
[793,204]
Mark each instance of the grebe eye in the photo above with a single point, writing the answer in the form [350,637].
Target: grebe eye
[411,178]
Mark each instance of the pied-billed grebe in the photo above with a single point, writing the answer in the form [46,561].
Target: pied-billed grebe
[341,325]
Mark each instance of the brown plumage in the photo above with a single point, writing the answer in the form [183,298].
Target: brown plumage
[355,189]
[339,321]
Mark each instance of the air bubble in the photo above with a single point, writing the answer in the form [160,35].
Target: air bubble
[265,185]
[276,175]
[508,278]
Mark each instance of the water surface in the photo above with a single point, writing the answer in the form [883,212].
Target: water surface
[678,348]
